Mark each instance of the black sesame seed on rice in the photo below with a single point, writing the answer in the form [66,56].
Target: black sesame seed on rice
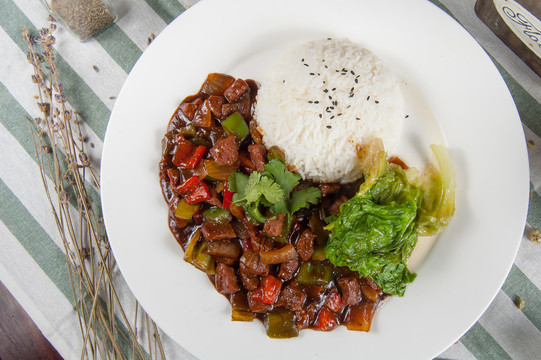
[329,126]
[377,102]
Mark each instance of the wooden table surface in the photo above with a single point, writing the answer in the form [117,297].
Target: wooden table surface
[20,338]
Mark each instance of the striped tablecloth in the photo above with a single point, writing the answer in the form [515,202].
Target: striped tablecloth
[32,262]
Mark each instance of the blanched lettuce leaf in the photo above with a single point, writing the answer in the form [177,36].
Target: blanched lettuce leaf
[376,230]
[437,203]
[376,233]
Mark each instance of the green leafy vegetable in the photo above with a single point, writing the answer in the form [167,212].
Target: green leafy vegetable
[376,239]
[303,198]
[286,179]
[271,189]
[376,230]
[438,194]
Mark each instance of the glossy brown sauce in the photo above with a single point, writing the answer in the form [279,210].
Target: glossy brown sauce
[322,297]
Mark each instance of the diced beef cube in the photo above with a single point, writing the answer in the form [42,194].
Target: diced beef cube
[291,298]
[369,289]
[335,207]
[215,105]
[189,109]
[225,151]
[257,306]
[225,279]
[305,244]
[251,263]
[350,289]
[213,231]
[250,281]
[274,227]
[327,189]
[214,197]
[235,90]
[314,291]
[240,229]
[306,315]
[246,162]
[242,105]
[203,116]
[259,242]
[229,248]
[258,154]
[224,260]
[288,269]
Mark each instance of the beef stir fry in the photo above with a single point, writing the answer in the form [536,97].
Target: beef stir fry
[269,264]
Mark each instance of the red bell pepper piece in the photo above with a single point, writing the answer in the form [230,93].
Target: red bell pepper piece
[196,157]
[188,154]
[326,320]
[228,197]
[194,190]
[268,290]
[189,185]
[201,194]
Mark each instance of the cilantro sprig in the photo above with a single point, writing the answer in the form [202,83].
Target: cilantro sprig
[272,190]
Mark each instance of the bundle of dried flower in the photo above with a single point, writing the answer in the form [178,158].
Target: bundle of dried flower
[60,150]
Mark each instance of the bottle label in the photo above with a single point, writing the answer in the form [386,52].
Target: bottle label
[523,23]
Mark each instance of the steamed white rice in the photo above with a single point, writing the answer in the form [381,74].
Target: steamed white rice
[324,98]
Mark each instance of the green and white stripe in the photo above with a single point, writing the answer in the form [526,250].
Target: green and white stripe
[503,332]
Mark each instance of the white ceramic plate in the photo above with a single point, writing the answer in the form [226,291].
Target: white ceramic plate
[455,95]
